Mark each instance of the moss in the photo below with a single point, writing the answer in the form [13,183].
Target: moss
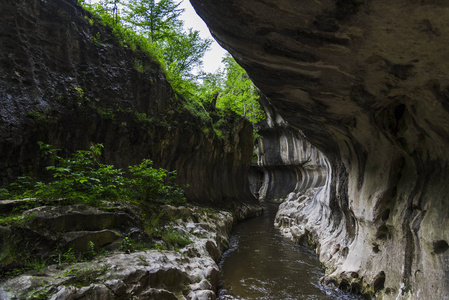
[83,277]
[176,239]
[40,294]
[106,113]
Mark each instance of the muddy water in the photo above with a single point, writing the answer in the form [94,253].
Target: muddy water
[261,264]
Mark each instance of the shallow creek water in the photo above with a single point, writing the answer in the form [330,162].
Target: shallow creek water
[262,264]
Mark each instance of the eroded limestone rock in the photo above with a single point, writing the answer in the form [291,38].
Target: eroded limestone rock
[367,83]
[190,273]
[286,162]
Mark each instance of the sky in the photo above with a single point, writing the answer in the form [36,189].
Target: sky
[212,58]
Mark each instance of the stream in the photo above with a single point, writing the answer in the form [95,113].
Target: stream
[262,264]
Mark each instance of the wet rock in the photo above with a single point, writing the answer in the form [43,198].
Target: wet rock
[201,295]
[157,294]
[286,162]
[118,287]
[190,273]
[89,292]
[79,240]
[61,219]
[366,82]
[202,285]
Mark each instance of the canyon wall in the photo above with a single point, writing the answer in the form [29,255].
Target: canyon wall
[67,80]
[367,83]
[286,163]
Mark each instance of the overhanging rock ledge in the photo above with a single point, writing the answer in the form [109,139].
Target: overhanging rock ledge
[367,82]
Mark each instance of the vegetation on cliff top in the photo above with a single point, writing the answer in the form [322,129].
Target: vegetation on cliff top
[82,177]
[155,27]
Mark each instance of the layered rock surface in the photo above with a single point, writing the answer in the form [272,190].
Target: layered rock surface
[286,162]
[67,81]
[367,83]
[189,273]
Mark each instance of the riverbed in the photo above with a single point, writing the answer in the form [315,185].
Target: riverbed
[261,264]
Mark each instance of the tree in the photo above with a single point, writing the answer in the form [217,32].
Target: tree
[158,20]
[211,87]
[183,51]
[154,18]
[239,93]
[112,7]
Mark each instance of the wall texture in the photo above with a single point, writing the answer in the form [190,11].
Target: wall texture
[367,83]
[286,163]
[69,83]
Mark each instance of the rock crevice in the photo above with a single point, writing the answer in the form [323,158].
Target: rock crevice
[366,83]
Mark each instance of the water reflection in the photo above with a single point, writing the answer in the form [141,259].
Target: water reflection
[261,264]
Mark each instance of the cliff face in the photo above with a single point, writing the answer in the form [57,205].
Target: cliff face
[67,81]
[367,83]
[286,162]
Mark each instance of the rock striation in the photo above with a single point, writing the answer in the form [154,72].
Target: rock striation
[367,83]
[186,274]
[67,80]
[286,163]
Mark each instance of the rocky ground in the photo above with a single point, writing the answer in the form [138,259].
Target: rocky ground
[137,266]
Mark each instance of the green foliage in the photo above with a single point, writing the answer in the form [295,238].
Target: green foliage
[91,252]
[228,91]
[106,113]
[198,109]
[154,26]
[143,118]
[84,276]
[41,117]
[239,93]
[150,184]
[20,189]
[106,14]
[127,245]
[83,178]
[175,239]
[184,51]
[212,85]
[15,259]
[40,295]
[159,247]
[13,219]
[68,257]
[153,18]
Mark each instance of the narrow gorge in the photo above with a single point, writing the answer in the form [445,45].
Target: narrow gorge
[366,83]
[69,80]
[354,147]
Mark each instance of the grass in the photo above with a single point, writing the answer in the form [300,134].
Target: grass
[84,276]
[175,239]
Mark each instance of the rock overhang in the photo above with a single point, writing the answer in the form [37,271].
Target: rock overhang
[367,83]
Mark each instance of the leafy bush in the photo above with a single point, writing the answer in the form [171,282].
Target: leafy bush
[149,183]
[82,177]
